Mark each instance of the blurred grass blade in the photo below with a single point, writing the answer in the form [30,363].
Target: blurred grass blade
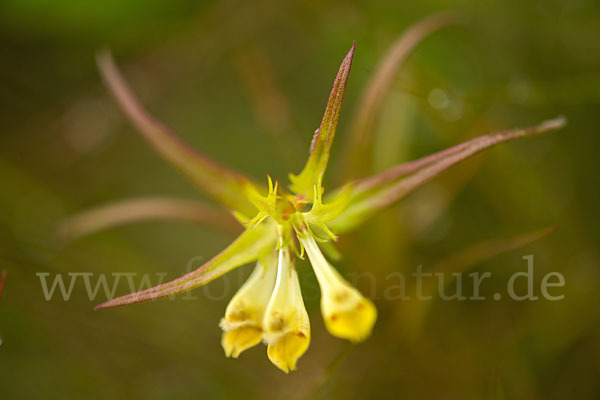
[2,281]
[384,189]
[251,245]
[326,378]
[144,209]
[270,106]
[320,147]
[363,124]
[226,186]
[412,314]
[480,252]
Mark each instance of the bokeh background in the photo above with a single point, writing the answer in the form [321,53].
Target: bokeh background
[247,82]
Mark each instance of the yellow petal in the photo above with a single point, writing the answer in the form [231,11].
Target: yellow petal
[242,324]
[347,313]
[240,339]
[286,327]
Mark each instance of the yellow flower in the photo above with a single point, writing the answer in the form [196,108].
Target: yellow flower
[269,305]
[286,325]
[347,313]
[242,324]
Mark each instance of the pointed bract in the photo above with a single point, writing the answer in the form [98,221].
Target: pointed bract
[362,127]
[225,185]
[320,147]
[251,245]
[384,189]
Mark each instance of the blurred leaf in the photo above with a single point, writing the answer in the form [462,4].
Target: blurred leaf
[414,311]
[227,186]
[144,209]
[2,281]
[384,189]
[482,251]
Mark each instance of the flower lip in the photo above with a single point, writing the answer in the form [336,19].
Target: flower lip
[236,341]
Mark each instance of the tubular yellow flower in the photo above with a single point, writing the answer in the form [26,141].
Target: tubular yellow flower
[347,313]
[286,324]
[242,324]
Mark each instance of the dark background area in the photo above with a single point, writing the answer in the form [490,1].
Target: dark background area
[246,83]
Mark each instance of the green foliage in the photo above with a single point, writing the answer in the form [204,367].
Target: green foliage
[64,148]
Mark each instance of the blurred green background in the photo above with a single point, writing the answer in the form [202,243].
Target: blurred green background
[247,82]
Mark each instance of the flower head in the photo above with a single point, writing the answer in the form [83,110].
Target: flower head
[279,224]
